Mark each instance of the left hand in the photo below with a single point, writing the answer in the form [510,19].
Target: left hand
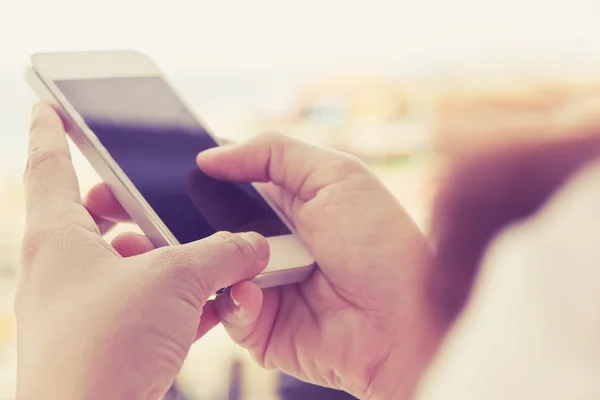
[100,321]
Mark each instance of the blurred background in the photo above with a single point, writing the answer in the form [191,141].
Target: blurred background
[399,83]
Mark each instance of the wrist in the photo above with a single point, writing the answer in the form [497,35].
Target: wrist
[62,373]
[67,385]
[398,376]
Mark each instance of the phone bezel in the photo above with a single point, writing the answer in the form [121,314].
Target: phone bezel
[289,255]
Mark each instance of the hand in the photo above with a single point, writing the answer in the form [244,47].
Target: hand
[362,321]
[97,321]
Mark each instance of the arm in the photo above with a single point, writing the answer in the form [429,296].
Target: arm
[531,328]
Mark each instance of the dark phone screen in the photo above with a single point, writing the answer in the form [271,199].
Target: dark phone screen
[152,136]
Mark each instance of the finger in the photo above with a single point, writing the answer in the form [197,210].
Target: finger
[208,320]
[201,268]
[50,180]
[248,314]
[239,308]
[104,208]
[55,219]
[131,244]
[101,203]
[298,167]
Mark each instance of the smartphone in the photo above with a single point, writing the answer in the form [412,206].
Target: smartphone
[142,138]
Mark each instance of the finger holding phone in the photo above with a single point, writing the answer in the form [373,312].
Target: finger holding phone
[98,321]
[361,322]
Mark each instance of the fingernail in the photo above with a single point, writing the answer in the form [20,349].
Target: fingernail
[235,302]
[258,243]
[222,290]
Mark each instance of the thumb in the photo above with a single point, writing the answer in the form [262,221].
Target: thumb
[197,270]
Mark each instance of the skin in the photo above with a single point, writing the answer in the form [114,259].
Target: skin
[300,329]
[360,286]
[98,321]
[369,321]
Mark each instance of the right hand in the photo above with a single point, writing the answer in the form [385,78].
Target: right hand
[361,322]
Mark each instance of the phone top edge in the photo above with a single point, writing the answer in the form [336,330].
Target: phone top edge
[137,53]
[94,64]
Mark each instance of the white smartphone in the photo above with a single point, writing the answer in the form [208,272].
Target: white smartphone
[142,139]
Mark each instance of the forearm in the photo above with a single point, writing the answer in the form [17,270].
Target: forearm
[67,386]
[70,377]
[399,376]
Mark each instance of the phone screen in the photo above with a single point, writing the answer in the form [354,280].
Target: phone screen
[154,138]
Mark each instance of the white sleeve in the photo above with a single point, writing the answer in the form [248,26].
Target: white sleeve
[531,329]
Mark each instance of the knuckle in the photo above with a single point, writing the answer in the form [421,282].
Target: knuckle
[180,272]
[276,142]
[236,246]
[170,257]
[346,165]
[44,159]
[51,240]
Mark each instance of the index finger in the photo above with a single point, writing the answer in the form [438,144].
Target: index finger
[50,179]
